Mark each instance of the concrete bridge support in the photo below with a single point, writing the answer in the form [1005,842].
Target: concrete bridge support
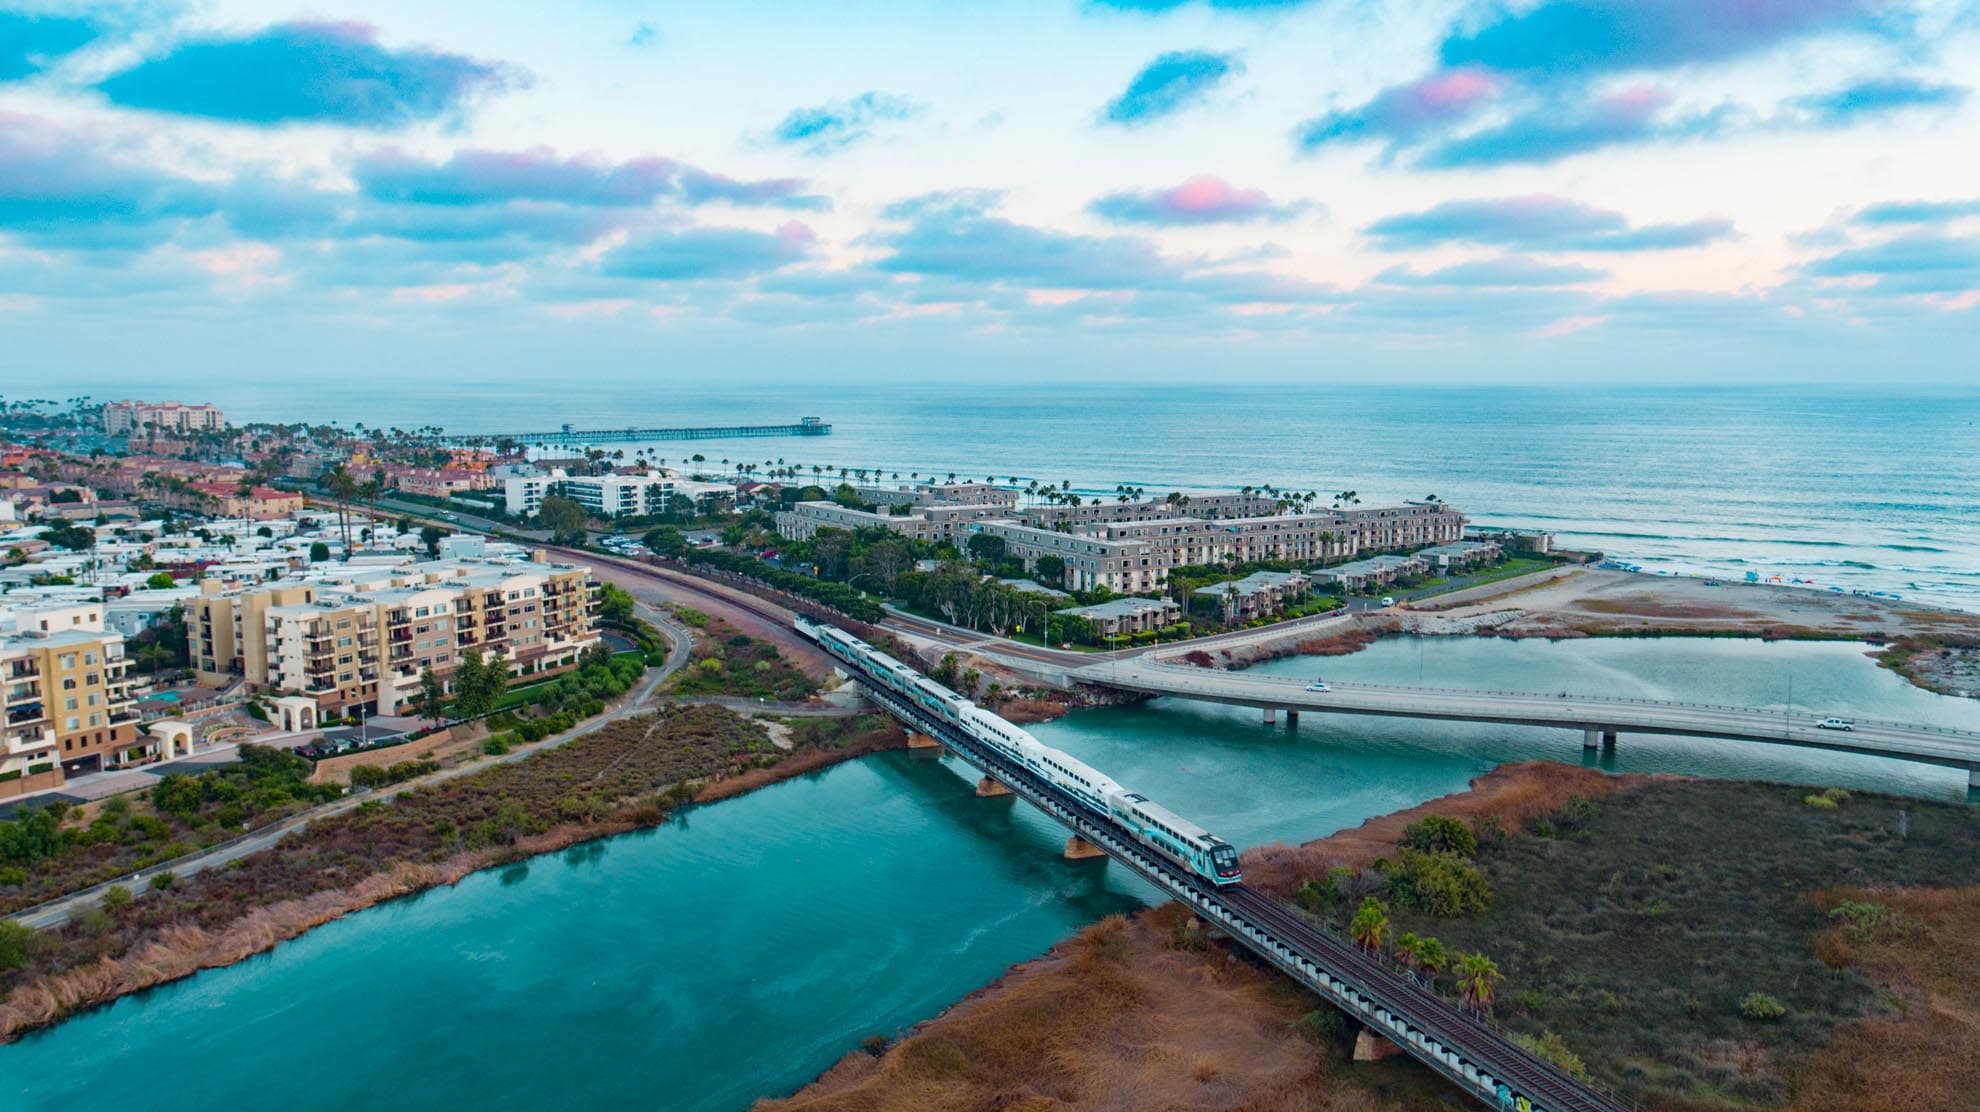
[1271,715]
[1292,718]
[922,741]
[1591,738]
[1079,849]
[1973,779]
[987,788]
[1609,740]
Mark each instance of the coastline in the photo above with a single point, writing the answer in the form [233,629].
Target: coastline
[181,950]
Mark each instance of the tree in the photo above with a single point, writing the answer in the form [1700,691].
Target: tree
[615,605]
[468,677]
[987,549]
[319,552]
[1050,570]
[429,535]
[430,702]
[1370,928]
[342,486]
[565,519]
[160,581]
[1431,957]
[1440,834]
[1477,977]
[666,541]
[1409,949]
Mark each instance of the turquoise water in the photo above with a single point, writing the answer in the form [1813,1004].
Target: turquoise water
[1875,488]
[742,951]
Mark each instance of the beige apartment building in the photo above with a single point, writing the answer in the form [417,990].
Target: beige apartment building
[362,636]
[68,703]
[169,418]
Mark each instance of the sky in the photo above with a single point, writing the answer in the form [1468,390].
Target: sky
[1134,191]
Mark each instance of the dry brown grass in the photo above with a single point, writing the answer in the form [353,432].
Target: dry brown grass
[1923,1052]
[338,769]
[1345,643]
[807,761]
[1648,606]
[1115,1019]
[1511,793]
[1032,710]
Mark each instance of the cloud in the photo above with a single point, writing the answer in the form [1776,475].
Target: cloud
[1152,6]
[29,41]
[1589,37]
[63,189]
[1169,84]
[308,71]
[1405,112]
[1917,212]
[1508,271]
[958,243]
[1537,223]
[701,253]
[842,123]
[644,35]
[1876,97]
[1204,199]
[1917,263]
[1560,129]
[481,177]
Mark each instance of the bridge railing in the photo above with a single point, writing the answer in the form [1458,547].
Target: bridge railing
[1611,700]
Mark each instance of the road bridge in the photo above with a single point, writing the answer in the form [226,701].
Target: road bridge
[1600,718]
[1462,1047]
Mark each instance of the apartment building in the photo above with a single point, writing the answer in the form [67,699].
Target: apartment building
[935,522]
[612,495]
[360,636]
[67,692]
[142,418]
[939,494]
[1207,506]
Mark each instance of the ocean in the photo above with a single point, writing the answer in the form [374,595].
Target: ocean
[1860,489]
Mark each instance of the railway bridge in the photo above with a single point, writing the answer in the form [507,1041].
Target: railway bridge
[1464,1048]
[1600,719]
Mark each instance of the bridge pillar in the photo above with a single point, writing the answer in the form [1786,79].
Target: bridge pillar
[1609,739]
[1371,1047]
[922,741]
[1271,715]
[1591,737]
[987,788]
[1292,718]
[1079,849]
[1973,779]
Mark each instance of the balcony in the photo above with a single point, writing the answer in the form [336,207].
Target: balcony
[30,713]
[23,670]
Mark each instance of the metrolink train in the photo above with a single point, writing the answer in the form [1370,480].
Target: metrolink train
[1159,828]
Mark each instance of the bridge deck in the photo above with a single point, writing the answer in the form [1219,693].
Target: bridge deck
[614,436]
[1462,1047]
[1929,744]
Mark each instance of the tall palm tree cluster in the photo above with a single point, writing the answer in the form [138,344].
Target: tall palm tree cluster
[1478,976]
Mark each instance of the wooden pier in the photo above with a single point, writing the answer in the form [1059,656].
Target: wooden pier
[809,426]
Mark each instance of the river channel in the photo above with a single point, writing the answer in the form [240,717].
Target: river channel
[740,951]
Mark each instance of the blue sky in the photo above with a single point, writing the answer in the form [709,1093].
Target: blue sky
[1132,190]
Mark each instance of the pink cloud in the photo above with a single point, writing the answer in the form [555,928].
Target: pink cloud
[1203,199]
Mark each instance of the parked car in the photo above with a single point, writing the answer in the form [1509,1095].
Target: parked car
[1835,724]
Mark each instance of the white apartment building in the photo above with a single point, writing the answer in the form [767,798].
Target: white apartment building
[129,417]
[612,495]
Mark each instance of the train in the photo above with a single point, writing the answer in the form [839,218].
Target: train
[1155,826]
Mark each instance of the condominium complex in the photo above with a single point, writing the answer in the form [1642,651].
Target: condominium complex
[612,495]
[168,418]
[1130,547]
[361,635]
[63,680]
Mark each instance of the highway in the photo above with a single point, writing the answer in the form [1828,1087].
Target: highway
[1935,745]
[1462,1047]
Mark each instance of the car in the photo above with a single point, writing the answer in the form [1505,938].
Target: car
[1388,600]
[1318,685]
[1835,724]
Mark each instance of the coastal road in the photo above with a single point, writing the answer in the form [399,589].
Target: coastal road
[1935,745]
[56,912]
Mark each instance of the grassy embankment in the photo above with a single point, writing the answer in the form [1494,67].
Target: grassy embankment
[1711,944]
[628,774]
[725,662]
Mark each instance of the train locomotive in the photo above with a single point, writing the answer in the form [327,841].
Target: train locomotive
[1155,826]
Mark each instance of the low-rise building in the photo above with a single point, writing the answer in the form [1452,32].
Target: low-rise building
[612,495]
[1261,594]
[1118,616]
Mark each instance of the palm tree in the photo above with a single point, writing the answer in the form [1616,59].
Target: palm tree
[1430,957]
[1409,950]
[1370,928]
[1477,976]
[342,486]
[369,490]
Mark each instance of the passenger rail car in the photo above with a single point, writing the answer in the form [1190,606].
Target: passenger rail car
[1157,827]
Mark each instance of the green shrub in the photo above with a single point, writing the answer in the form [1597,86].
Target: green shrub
[1762,1007]
[1438,834]
[1820,802]
[1548,1046]
[13,876]
[496,745]
[117,897]
[1441,884]
[162,881]
[1323,1026]
[17,944]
